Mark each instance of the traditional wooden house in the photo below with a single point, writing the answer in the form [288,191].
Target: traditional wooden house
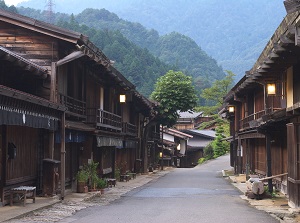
[173,150]
[263,108]
[27,121]
[71,83]
[191,120]
[196,145]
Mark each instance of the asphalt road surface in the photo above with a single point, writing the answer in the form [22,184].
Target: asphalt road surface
[198,194]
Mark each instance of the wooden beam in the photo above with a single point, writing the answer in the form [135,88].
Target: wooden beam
[72,56]
[278,48]
[265,66]
[284,39]
[273,55]
[297,36]
[291,6]
[268,61]
[274,176]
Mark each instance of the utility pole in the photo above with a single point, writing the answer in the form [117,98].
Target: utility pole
[49,11]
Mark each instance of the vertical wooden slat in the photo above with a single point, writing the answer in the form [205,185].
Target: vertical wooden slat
[63,156]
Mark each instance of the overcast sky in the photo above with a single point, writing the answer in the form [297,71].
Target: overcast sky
[13,2]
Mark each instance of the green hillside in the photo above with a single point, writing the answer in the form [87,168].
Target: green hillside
[140,54]
[233,32]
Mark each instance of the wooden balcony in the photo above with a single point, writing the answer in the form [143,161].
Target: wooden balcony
[129,129]
[104,120]
[75,106]
[254,119]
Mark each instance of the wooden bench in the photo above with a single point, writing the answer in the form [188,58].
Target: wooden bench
[111,181]
[23,193]
[132,175]
[125,177]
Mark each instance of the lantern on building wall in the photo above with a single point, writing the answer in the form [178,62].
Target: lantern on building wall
[271,89]
[122,98]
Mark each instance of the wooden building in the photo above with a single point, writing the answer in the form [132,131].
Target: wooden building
[191,120]
[173,150]
[263,108]
[196,145]
[60,102]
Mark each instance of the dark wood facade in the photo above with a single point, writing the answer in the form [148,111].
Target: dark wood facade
[264,126]
[59,99]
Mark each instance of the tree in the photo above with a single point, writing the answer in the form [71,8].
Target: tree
[175,92]
[220,146]
[214,95]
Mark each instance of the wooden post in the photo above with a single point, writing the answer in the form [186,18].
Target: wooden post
[239,158]
[53,83]
[269,162]
[63,157]
[51,145]
[3,156]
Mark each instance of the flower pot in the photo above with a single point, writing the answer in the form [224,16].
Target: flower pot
[81,187]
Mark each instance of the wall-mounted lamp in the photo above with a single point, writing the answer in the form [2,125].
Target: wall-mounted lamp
[160,154]
[122,98]
[178,147]
[231,109]
[271,89]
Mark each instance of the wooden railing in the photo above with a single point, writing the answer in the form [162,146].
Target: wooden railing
[129,129]
[245,122]
[104,119]
[74,106]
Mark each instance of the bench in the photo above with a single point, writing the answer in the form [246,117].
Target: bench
[111,181]
[132,175]
[125,177]
[23,193]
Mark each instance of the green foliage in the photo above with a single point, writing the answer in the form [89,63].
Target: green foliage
[209,152]
[175,92]
[201,160]
[136,64]
[82,176]
[218,90]
[101,183]
[5,7]
[214,25]
[91,171]
[141,55]
[117,174]
[220,146]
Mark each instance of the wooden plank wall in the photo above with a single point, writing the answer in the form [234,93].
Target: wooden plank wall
[24,166]
[260,156]
[259,100]
[279,152]
[38,48]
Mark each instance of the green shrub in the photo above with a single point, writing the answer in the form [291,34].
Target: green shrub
[209,152]
[201,160]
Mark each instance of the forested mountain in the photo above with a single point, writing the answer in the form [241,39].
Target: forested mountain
[133,54]
[234,32]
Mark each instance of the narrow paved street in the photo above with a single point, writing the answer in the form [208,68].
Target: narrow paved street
[200,194]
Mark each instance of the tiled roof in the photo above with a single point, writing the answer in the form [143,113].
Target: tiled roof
[190,114]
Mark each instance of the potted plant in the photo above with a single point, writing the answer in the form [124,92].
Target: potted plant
[82,178]
[101,184]
[91,169]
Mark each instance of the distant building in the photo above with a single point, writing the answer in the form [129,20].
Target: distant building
[190,120]
[196,145]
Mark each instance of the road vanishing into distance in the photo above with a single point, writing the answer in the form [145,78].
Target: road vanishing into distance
[199,194]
